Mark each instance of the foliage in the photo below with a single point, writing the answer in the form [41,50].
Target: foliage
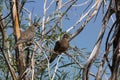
[31,59]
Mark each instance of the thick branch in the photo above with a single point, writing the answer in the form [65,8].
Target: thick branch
[20,59]
[2,50]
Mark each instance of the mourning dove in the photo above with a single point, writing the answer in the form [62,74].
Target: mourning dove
[60,46]
[27,35]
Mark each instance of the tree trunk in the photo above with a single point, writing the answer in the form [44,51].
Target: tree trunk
[20,57]
[116,45]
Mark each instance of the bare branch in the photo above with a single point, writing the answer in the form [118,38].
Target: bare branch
[82,17]
[61,16]
[97,4]
[82,4]
[97,45]
[56,67]
[44,17]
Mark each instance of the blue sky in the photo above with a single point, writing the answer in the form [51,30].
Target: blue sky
[87,38]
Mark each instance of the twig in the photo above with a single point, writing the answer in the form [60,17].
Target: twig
[29,15]
[5,16]
[24,73]
[9,66]
[96,47]
[106,44]
[87,20]
[44,16]
[107,49]
[45,56]
[81,18]
[82,4]
[64,4]
[12,72]
[50,4]
[33,62]
[61,16]
[77,62]
[56,67]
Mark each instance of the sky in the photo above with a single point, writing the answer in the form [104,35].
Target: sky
[87,38]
